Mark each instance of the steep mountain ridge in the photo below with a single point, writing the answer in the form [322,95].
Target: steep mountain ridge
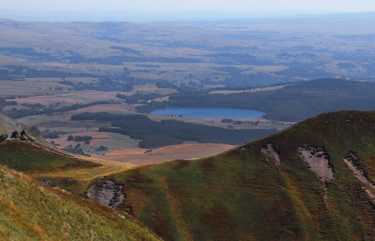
[303,183]
[312,181]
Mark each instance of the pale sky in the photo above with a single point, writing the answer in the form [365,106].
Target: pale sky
[192,5]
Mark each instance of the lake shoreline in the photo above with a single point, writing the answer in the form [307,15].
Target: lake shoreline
[221,113]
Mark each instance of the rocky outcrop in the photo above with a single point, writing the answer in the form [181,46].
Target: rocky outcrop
[3,137]
[22,135]
[15,131]
[12,131]
[318,161]
[353,162]
[48,182]
[15,135]
[107,192]
[271,154]
[25,136]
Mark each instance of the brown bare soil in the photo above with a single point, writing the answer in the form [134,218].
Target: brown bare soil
[102,108]
[44,100]
[68,98]
[164,154]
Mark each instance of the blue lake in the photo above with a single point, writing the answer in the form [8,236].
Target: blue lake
[210,113]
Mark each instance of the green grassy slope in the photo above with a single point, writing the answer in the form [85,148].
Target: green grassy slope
[25,157]
[238,195]
[41,160]
[30,211]
[43,164]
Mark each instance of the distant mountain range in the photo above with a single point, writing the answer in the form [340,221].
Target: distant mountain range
[234,53]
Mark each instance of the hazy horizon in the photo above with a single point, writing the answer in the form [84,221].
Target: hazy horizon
[191,5]
[78,15]
[167,10]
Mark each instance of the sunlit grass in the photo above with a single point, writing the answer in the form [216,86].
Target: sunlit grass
[85,174]
[30,211]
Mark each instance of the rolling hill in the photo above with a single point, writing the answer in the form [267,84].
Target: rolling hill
[313,181]
[254,52]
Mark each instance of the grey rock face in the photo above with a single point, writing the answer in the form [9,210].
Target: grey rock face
[15,134]
[25,136]
[354,163]
[271,154]
[107,192]
[48,183]
[3,137]
[318,160]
